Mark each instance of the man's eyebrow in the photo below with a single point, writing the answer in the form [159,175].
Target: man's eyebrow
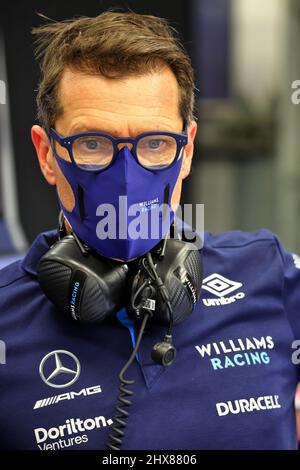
[78,129]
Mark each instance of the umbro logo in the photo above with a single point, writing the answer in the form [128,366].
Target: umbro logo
[221,287]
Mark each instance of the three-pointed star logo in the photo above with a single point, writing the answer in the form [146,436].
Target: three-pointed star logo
[60,357]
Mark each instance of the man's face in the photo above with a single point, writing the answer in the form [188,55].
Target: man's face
[120,107]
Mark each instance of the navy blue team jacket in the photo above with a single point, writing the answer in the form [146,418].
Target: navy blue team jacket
[232,385]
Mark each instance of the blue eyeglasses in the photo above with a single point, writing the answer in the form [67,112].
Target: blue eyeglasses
[94,151]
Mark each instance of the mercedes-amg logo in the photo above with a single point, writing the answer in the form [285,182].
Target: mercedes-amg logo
[52,366]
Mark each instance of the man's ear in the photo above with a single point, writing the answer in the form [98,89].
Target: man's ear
[44,153]
[189,150]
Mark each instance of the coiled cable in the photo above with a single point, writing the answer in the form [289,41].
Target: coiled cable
[116,437]
[145,290]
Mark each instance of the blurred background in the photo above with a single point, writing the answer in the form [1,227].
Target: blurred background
[246,167]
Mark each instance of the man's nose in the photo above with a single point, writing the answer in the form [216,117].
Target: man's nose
[120,146]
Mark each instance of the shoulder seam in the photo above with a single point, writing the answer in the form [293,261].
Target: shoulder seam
[11,282]
[271,239]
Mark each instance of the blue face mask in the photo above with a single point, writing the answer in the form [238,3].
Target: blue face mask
[103,200]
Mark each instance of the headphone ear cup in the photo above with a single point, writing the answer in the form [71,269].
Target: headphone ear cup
[181,272]
[160,314]
[86,288]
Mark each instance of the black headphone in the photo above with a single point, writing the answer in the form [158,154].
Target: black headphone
[90,288]
[163,285]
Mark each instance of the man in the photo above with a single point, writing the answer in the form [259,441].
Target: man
[232,385]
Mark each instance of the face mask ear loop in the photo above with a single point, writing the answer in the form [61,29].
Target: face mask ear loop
[62,233]
[82,247]
[61,226]
[162,253]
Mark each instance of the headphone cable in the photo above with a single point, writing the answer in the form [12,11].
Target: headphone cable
[119,423]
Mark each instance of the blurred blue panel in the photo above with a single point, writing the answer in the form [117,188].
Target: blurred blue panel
[211,40]
[6,245]
[6,260]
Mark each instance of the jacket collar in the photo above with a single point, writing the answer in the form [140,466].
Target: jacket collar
[39,247]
